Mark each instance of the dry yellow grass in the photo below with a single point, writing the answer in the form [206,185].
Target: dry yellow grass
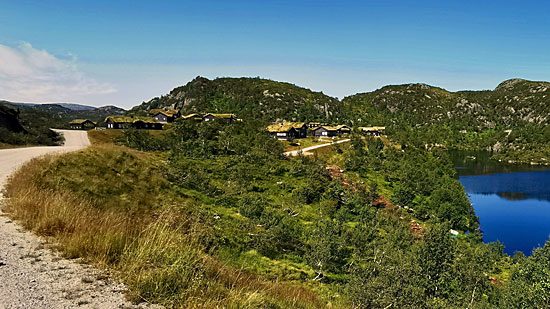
[155,246]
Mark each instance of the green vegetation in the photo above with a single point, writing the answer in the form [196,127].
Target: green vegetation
[58,116]
[18,128]
[509,121]
[214,215]
[250,98]
[222,218]
[113,207]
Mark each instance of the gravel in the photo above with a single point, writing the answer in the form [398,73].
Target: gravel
[32,275]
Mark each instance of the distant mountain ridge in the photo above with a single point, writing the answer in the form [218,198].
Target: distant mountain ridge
[59,115]
[71,106]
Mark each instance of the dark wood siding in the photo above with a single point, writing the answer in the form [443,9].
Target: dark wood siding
[324,132]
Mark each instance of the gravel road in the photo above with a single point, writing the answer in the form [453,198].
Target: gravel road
[34,276]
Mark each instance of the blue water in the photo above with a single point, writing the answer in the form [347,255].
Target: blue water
[513,206]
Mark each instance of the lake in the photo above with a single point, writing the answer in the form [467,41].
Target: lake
[511,201]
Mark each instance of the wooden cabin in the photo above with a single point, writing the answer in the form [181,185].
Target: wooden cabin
[330,131]
[82,124]
[373,131]
[127,122]
[229,118]
[287,130]
[164,116]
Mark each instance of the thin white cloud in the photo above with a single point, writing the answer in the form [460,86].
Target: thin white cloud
[28,74]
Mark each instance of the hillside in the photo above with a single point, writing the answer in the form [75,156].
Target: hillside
[221,218]
[512,103]
[59,115]
[18,130]
[248,98]
[510,118]
[29,124]
[71,106]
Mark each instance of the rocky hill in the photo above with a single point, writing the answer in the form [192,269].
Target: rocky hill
[248,98]
[513,102]
[510,118]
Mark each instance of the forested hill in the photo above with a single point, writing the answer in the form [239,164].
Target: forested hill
[512,117]
[248,98]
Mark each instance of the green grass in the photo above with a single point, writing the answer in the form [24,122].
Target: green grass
[8,146]
[101,137]
[307,142]
[113,207]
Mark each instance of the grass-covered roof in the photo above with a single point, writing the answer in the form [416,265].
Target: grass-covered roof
[129,119]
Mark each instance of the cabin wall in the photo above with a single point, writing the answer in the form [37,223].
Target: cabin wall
[161,118]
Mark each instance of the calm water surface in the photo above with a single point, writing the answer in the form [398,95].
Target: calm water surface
[512,202]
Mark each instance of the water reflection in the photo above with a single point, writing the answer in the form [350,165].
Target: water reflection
[512,202]
[510,185]
[513,196]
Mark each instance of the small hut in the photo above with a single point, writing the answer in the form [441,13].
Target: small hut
[194,116]
[287,130]
[229,118]
[373,131]
[164,116]
[330,131]
[82,124]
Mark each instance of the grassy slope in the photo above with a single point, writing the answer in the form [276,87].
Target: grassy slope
[112,206]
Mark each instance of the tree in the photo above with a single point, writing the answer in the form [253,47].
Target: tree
[326,252]
[436,257]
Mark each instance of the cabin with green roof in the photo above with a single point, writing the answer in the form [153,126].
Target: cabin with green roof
[373,131]
[164,116]
[82,124]
[127,122]
[287,130]
[229,118]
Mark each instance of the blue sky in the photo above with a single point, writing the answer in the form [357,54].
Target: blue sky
[125,52]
